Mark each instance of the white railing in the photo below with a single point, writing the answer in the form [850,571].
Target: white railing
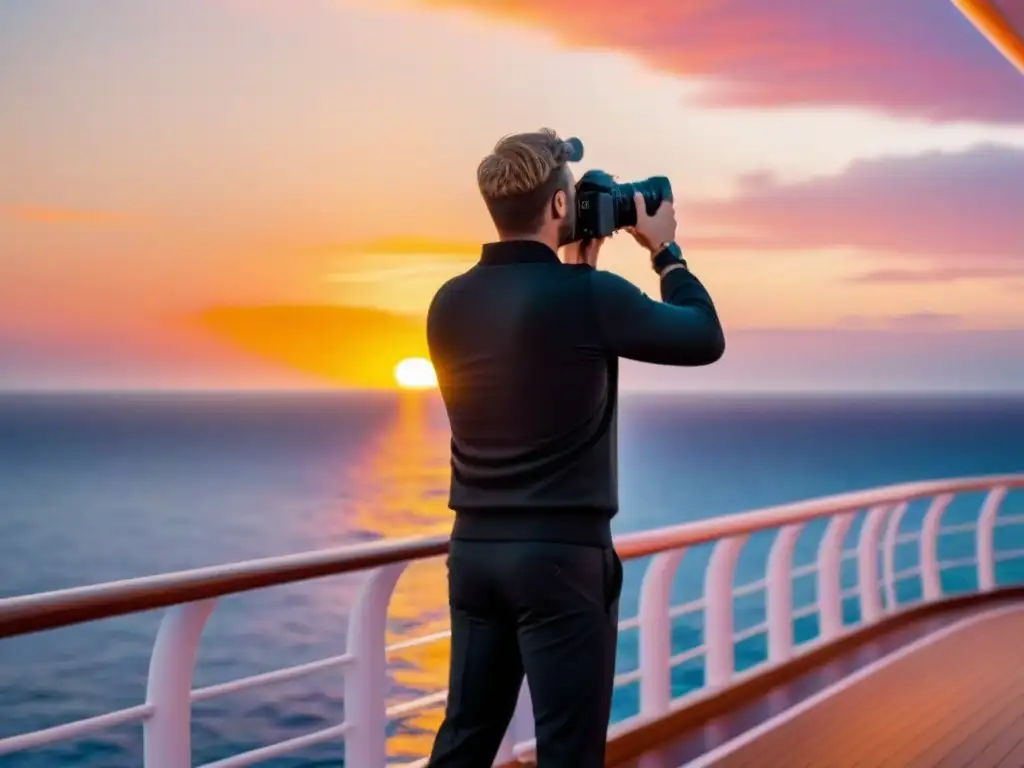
[191,596]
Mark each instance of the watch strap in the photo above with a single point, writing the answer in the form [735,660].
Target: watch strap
[668,254]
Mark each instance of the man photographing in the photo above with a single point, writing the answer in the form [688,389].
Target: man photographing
[526,351]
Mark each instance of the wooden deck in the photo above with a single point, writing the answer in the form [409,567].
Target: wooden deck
[945,688]
[950,700]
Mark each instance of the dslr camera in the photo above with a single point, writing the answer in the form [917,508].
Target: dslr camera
[603,205]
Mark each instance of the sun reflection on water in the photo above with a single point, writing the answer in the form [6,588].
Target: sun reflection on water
[409,471]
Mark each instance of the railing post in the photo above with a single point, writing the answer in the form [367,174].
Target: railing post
[656,632]
[366,680]
[867,564]
[931,584]
[892,531]
[830,561]
[167,735]
[779,594]
[720,659]
[986,524]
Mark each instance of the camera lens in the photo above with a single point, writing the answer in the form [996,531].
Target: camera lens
[654,191]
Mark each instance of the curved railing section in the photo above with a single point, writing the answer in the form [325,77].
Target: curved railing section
[860,530]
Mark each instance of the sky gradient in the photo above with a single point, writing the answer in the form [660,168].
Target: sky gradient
[266,193]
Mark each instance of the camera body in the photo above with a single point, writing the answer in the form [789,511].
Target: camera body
[603,205]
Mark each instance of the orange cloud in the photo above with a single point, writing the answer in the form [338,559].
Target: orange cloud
[395,273]
[409,245]
[348,346]
[418,245]
[48,214]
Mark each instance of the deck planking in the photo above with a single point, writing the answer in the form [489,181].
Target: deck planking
[956,702]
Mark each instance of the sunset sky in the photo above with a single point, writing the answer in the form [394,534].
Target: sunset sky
[266,193]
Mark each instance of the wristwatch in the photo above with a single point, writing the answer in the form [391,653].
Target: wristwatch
[666,255]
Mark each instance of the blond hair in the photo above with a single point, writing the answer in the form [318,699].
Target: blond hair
[519,178]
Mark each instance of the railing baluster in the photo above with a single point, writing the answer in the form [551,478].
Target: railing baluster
[867,563]
[779,595]
[931,584]
[986,524]
[656,632]
[830,560]
[366,680]
[167,735]
[718,623]
[889,555]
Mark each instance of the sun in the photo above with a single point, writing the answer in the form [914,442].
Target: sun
[415,373]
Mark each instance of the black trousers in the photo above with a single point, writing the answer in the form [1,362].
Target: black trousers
[545,609]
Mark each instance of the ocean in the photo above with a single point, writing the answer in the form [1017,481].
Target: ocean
[97,487]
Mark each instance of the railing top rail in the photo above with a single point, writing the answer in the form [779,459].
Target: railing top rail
[49,610]
[644,543]
[60,608]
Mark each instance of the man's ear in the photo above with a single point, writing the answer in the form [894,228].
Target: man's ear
[560,204]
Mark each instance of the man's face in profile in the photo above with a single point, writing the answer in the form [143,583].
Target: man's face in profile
[567,223]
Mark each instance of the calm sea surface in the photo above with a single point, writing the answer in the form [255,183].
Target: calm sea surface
[102,487]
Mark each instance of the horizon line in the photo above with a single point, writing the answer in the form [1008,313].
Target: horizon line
[329,391]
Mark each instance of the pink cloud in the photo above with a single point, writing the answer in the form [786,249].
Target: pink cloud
[939,274]
[153,359]
[958,212]
[917,321]
[923,321]
[910,57]
[902,355]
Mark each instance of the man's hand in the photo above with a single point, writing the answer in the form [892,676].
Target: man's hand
[651,232]
[583,252]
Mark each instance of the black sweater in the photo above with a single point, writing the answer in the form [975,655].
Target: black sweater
[526,352]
